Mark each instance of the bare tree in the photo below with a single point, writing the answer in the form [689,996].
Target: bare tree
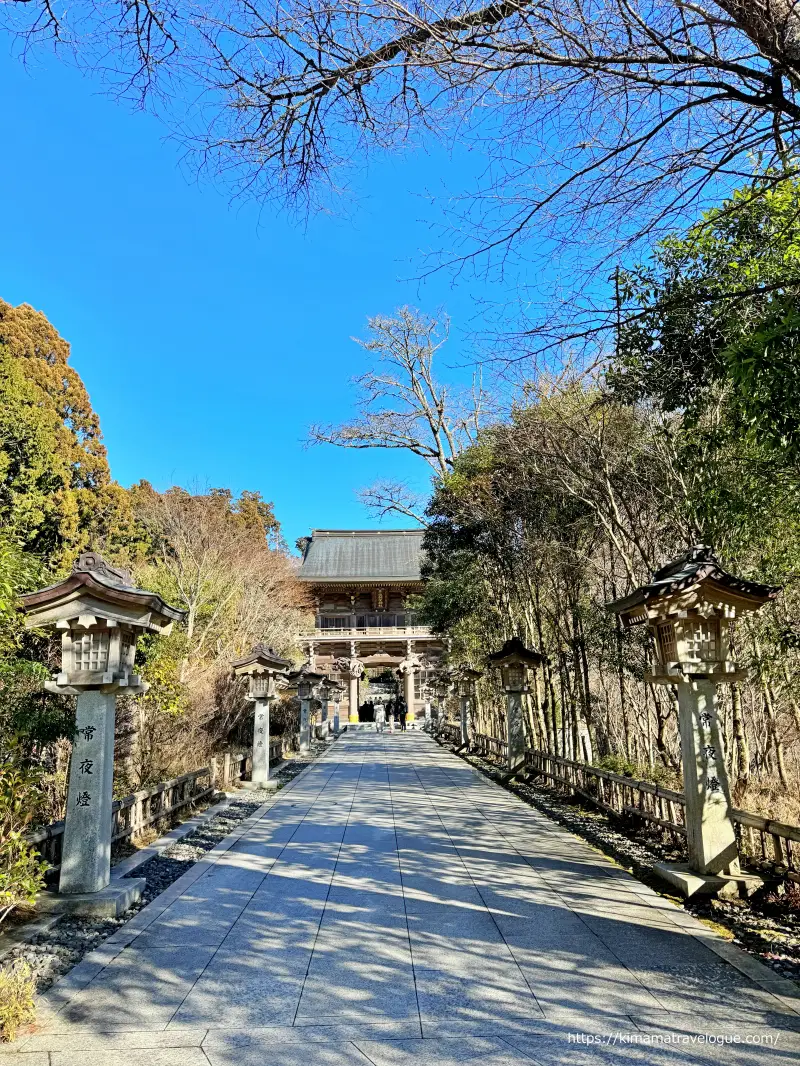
[584,104]
[400,405]
[216,563]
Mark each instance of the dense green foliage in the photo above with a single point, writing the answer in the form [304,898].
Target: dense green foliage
[691,433]
[56,492]
[713,319]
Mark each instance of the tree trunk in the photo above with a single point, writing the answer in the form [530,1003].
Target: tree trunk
[741,749]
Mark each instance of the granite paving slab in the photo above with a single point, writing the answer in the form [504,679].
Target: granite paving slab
[393,907]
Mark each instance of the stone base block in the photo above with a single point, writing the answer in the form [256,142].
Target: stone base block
[689,883]
[254,786]
[110,902]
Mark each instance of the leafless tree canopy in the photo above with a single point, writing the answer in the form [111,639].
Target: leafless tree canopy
[599,119]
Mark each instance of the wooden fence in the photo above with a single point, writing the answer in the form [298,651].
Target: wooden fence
[133,814]
[763,843]
[487,745]
[451,731]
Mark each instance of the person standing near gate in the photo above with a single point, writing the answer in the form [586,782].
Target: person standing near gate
[402,711]
[380,718]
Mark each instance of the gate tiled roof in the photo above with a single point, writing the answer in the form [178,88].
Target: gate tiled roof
[362,555]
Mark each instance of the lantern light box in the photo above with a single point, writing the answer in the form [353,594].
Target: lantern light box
[514,660]
[689,605]
[261,667]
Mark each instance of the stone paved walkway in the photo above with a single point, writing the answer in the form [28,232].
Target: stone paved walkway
[393,907]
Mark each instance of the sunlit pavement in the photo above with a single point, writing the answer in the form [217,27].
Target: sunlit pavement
[393,907]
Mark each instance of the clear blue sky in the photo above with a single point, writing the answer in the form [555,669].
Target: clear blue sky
[209,335]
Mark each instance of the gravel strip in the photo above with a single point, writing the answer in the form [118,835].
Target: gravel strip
[53,953]
[767,925]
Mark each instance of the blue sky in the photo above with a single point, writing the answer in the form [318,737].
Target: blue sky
[209,334]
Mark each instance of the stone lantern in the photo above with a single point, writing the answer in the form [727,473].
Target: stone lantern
[467,683]
[689,606]
[515,660]
[443,686]
[353,669]
[337,691]
[100,616]
[306,682]
[324,693]
[261,667]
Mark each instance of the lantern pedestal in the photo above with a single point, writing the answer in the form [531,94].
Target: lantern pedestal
[713,867]
[110,902]
[689,883]
[86,849]
[305,725]
[259,778]
[464,721]
[711,838]
[84,881]
[515,730]
[323,726]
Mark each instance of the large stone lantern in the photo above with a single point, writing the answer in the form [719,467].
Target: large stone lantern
[467,684]
[514,661]
[100,616]
[262,666]
[689,606]
[306,682]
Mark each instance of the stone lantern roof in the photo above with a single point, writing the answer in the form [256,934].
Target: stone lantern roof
[95,590]
[261,658]
[688,582]
[514,651]
[299,676]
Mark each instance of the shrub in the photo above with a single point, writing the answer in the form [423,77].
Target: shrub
[616,764]
[21,870]
[16,999]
